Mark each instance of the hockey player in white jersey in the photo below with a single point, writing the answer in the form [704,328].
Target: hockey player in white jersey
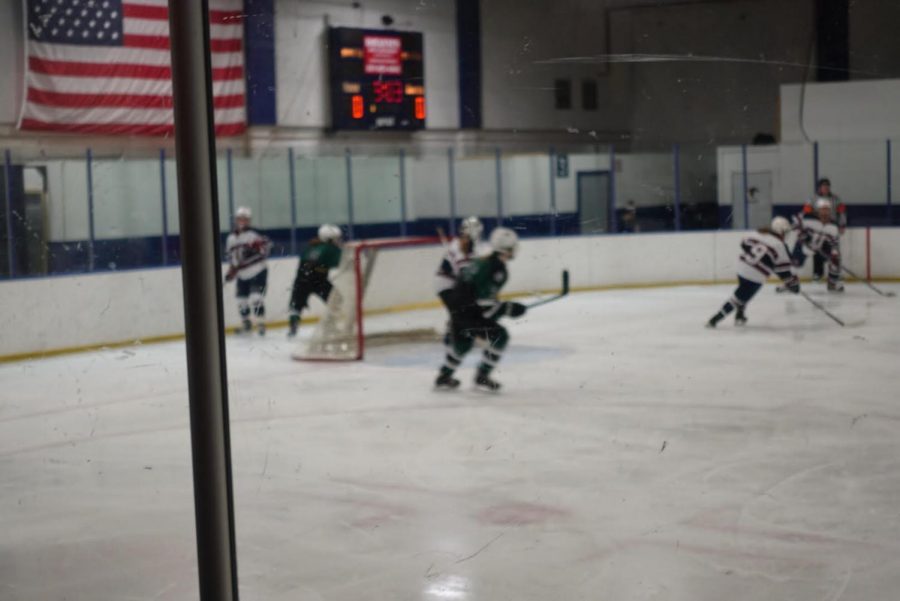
[763,254]
[821,236]
[460,252]
[247,251]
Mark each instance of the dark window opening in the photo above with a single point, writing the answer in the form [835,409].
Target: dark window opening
[589,95]
[563,93]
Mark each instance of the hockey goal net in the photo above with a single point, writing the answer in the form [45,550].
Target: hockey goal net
[340,334]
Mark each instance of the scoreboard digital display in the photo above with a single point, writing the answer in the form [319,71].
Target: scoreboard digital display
[377,79]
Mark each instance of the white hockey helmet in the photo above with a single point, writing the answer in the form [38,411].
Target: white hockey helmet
[329,233]
[822,203]
[504,240]
[780,226]
[243,213]
[471,227]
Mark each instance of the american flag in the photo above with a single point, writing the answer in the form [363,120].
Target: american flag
[103,67]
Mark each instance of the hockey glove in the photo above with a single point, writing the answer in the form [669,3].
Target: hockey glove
[514,309]
[232,273]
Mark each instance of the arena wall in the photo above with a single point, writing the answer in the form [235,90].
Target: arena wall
[62,313]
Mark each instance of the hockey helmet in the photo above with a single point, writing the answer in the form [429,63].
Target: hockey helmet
[243,213]
[471,227]
[822,203]
[505,241]
[329,233]
[780,226]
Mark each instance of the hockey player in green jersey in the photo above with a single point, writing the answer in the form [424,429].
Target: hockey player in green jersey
[474,311]
[322,253]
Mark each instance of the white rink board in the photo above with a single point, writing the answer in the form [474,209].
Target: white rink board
[62,312]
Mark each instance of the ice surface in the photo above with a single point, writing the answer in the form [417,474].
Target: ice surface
[632,455]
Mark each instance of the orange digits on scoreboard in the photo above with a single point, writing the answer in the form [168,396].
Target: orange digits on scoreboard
[420,108]
[356,106]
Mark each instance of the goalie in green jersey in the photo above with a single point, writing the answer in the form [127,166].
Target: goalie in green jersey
[322,253]
[474,310]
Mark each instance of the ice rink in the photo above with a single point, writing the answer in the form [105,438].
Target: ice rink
[633,454]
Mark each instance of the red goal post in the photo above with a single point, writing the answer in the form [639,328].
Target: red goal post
[340,333]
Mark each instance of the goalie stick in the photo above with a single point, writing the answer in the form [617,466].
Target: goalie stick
[887,294]
[563,292]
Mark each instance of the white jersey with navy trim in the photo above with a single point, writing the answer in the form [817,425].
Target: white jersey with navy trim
[247,252]
[819,233]
[763,255]
[453,262]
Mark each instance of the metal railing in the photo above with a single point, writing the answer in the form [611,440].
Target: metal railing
[99,213]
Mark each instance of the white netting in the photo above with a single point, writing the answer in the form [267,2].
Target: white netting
[337,335]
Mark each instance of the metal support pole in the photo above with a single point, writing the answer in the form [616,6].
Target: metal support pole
[349,163]
[451,171]
[10,246]
[890,209]
[165,209]
[815,165]
[676,159]
[553,212]
[90,199]
[402,192]
[499,169]
[744,185]
[203,305]
[613,221]
[293,177]
[229,171]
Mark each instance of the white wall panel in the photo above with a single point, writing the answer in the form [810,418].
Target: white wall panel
[68,311]
[850,110]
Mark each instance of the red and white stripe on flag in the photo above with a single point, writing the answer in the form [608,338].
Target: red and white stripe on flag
[103,67]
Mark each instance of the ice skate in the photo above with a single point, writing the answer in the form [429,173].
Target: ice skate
[714,320]
[484,382]
[446,382]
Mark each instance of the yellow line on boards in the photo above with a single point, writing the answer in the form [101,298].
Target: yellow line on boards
[394,309]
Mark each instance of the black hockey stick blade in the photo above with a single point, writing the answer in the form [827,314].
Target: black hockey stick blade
[885,293]
[854,275]
[563,292]
[821,308]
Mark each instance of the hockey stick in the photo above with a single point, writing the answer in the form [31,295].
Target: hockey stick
[821,308]
[563,292]
[445,242]
[887,294]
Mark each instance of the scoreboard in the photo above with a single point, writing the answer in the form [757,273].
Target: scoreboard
[377,79]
